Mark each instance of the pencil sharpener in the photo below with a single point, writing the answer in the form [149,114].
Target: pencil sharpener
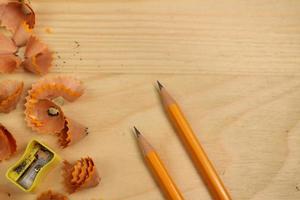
[36,161]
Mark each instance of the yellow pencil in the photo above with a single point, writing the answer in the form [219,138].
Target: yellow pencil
[157,168]
[194,148]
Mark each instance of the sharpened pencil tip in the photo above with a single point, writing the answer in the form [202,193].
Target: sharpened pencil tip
[137,132]
[159,85]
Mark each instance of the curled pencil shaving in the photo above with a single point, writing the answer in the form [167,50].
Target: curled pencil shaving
[9,63]
[22,34]
[67,176]
[29,15]
[78,168]
[8,60]
[82,174]
[50,195]
[93,178]
[13,14]
[39,101]
[44,116]
[7,46]
[10,93]
[41,119]
[34,47]
[2,7]
[79,172]
[72,133]
[66,87]
[8,144]
[38,58]
[85,177]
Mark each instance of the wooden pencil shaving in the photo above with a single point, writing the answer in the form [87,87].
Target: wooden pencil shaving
[40,119]
[8,60]
[66,87]
[50,195]
[8,144]
[22,34]
[10,93]
[72,133]
[7,45]
[13,14]
[79,175]
[38,58]
[43,115]
[9,63]
[19,19]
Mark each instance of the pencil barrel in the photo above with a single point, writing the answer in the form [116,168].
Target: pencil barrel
[162,177]
[197,153]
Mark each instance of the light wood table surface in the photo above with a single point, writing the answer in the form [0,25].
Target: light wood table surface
[233,66]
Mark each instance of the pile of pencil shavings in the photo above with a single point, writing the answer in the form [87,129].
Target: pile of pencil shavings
[43,104]
[43,114]
[18,21]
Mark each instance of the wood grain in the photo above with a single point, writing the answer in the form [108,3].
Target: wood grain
[234,67]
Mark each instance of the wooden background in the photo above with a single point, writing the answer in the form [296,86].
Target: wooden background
[234,66]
